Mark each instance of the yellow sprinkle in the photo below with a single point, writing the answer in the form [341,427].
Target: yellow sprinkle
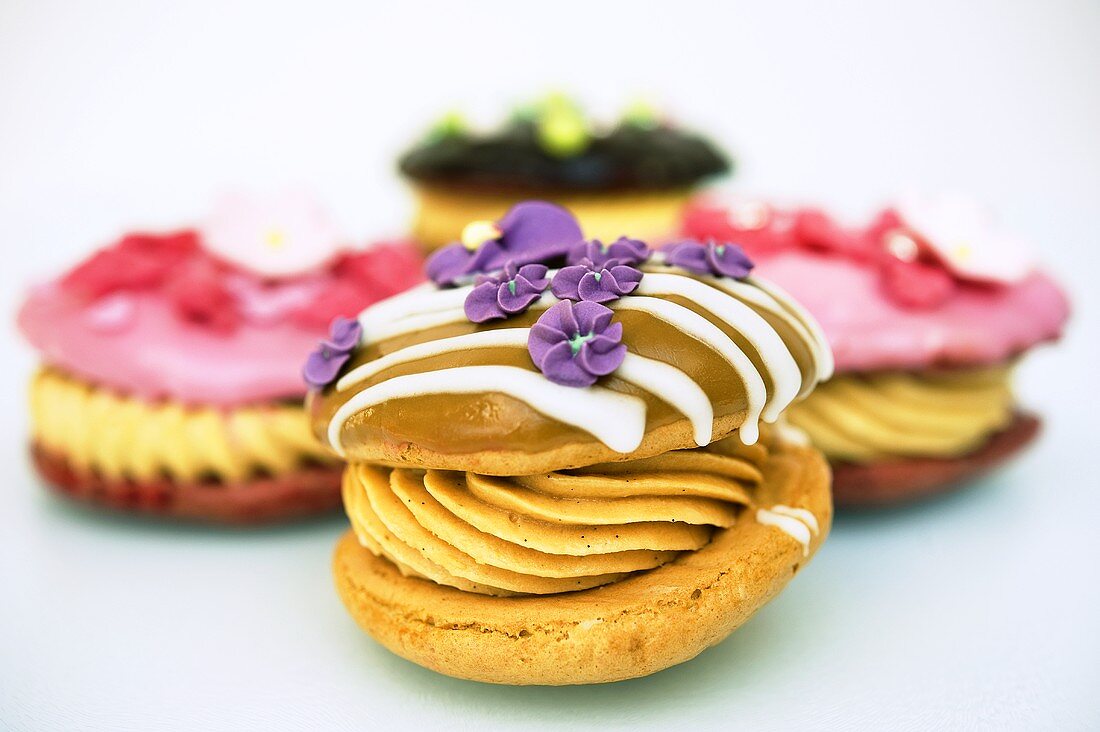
[477,233]
[962,252]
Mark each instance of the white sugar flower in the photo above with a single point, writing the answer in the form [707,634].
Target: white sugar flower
[965,238]
[277,236]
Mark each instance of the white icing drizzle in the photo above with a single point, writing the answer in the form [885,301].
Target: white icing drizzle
[660,379]
[790,434]
[797,523]
[420,299]
[823,349]
[426,307]
[774,299]
[700,328]
[617,420]
[675,387]
[386,329]
[819,351]
[503,337]
[776,356]
[448,310]
[804,515]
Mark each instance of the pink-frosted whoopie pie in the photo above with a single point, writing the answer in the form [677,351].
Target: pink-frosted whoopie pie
[171,380]
[927,308]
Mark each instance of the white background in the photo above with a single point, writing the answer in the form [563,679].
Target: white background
[979,610]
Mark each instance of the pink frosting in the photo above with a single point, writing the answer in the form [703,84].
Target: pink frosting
[880,311]
[154,354]
[868,331]
[135,339]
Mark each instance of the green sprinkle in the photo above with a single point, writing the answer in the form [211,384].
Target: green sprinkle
[560,126]
[452,124]
[512,286]
[641,113]
[562,135]
[599,276]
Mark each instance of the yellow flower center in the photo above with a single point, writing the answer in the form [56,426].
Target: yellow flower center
[477,233]
[275,239]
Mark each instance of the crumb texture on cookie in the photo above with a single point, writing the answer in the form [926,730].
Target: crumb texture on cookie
[117,437]
[705,355]
[862,418]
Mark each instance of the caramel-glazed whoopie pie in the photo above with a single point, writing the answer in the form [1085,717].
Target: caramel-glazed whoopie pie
[557,472]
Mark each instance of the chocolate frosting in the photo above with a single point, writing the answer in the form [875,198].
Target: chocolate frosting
[628,157]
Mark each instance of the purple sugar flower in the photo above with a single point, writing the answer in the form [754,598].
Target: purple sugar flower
[325,363]
[507,293]
[595,283]
[626,251]
[574,344]
[532,231]
[721,259]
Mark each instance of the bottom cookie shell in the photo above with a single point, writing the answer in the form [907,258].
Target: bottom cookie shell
[634,627]
[901,481]
[309,491]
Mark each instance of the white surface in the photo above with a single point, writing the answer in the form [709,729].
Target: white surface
[980,610]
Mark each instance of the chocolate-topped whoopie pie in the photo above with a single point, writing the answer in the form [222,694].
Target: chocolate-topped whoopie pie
[633,176]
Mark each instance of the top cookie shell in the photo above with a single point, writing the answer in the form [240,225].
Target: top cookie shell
[706,355]
[629,157]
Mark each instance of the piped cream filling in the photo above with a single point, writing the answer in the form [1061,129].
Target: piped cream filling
[121,438]
[551,532]
[869,417]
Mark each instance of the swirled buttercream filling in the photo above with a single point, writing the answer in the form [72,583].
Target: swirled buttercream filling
[121,438]
[868,417]
[551,532]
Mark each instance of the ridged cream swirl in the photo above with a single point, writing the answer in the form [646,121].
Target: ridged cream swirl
[868,417]
[120,438]
[552,532]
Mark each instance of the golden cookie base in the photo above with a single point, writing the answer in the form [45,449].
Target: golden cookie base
[635,627]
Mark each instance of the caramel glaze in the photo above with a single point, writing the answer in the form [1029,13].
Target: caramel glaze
[458,425]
